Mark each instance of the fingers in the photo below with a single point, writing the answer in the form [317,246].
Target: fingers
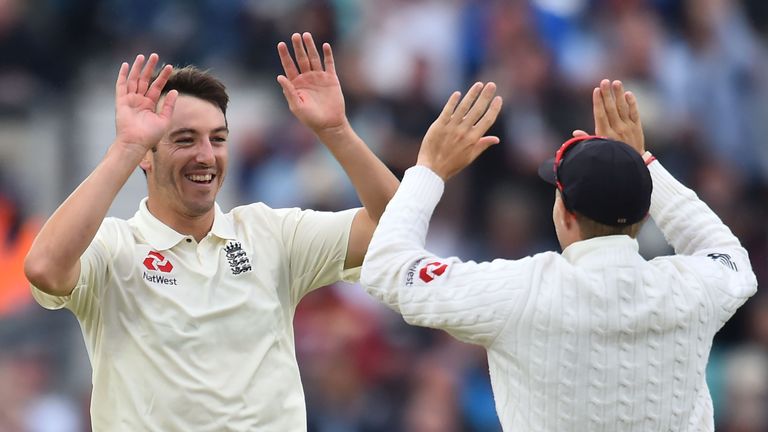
[468,100]
[621,103]
[136,79]
[609,103]
[481,104]
[489,116]
[156,89]
[307,56]
[285,59]
[146,74]
[449,108]
[301,53]
[602,125]
[121,86]
[314,56]
[169,104]
[330,64]
[133,75]
[456,138]
[478,108]
[634,111]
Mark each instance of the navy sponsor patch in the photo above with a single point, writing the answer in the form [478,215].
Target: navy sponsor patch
[724,259]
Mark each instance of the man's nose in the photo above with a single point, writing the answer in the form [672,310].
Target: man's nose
[205,153]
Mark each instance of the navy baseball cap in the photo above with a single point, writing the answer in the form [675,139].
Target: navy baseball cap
[603,179]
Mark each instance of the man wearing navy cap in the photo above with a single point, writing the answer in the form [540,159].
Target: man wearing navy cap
[593,339]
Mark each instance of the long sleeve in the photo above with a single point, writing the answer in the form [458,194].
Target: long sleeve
[472,301]
[694,230]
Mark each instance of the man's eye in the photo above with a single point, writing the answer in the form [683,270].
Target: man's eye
[184,141]
[220,140]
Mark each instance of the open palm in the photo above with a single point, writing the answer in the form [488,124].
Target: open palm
[313,92]
[137,120]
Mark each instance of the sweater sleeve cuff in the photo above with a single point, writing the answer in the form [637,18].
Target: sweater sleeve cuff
[421,185]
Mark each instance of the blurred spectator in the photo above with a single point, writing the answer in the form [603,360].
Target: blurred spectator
[746,391]
[16,235]
[26,404]
[711,79]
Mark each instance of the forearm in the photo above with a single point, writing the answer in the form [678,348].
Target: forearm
[398,241]
[472,301]
[52,263]
[689,225]
[374,182]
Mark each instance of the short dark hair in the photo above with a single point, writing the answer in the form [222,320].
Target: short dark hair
[191,81]
[590,228]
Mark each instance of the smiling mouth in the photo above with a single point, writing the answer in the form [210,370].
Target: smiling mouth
[201,179]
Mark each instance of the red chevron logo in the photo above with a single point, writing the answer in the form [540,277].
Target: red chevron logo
[157,262]
[429,272]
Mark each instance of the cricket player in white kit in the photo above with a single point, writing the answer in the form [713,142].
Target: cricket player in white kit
[187,311]
[593,339]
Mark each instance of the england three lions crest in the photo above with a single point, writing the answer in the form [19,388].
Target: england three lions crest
[237,259]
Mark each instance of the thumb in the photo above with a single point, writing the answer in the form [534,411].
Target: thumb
[579,133]
[169,104]
[289,91]
[483,144]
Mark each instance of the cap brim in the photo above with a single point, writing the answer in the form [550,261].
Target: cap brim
[547,171]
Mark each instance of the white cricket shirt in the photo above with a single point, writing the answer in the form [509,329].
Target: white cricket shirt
[199,337]
[595,339]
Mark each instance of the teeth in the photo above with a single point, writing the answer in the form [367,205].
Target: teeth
[200,178]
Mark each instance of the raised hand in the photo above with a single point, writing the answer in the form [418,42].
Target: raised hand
[457,138]
[616,115]
[139,122]
[313,92]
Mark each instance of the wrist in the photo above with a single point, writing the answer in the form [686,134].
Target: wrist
[333,133]
[128,152]
[648,158]
[428,165]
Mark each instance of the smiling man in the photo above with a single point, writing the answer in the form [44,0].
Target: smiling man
[186,310]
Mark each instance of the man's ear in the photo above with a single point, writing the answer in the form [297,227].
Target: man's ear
[562,212]
[569,219]
[572,224]
[146,161]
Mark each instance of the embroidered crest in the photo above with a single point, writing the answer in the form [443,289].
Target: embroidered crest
[238,260]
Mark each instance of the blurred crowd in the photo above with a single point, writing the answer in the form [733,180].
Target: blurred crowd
[698,67]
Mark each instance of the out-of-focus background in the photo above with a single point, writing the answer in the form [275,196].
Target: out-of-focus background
[698,68]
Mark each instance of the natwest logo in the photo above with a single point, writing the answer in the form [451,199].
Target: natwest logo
[432,270]
[157,262]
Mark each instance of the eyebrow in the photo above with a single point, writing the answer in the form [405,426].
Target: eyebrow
[183,131]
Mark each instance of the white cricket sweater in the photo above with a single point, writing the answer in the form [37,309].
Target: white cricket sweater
[595,339]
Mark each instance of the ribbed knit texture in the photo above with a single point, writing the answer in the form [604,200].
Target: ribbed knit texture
[595,339]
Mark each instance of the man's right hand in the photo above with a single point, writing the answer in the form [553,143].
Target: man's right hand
[139,122]
[457,138]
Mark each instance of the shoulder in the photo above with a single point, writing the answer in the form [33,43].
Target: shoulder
[261,210]
[114,230]
[545,262]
